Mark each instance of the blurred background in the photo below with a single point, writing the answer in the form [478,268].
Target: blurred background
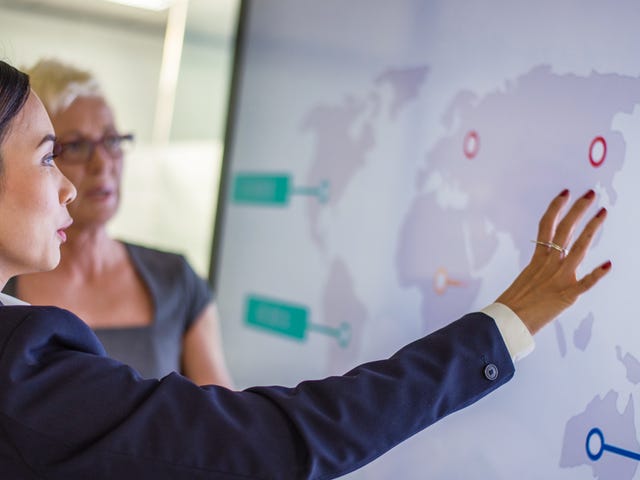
[165,67]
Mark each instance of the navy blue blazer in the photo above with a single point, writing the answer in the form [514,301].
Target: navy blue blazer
[67,411]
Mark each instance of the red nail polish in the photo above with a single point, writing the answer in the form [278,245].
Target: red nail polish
[589,195]
[564,193]
[606,265]
[601,212]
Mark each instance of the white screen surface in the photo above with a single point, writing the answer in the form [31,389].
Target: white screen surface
[388,166]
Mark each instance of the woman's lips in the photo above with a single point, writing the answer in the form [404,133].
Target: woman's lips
[61,231]
[99,192]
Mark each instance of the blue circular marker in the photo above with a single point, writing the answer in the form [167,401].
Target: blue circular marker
[598,433]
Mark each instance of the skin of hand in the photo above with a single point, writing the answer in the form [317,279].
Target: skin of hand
[548,284]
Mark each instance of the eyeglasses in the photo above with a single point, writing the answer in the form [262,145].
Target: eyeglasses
[81,150]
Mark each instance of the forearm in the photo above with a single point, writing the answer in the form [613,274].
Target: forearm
[346,422]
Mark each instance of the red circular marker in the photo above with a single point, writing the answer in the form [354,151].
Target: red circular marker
[597,151]
[471,144]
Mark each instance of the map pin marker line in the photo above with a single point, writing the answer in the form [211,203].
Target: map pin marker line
[342,333]
[321,191]
[596,432]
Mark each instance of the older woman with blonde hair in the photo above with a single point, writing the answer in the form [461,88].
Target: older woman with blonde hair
[148,307]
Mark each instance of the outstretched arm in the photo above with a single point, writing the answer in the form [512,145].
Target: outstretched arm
[67,411]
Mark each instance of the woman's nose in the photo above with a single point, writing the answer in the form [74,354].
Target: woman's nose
[68,191]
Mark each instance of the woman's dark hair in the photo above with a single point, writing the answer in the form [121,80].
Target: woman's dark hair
[14,90]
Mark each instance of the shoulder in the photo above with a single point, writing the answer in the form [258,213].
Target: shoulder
[171,276]
[25,328]
[163,266]
[45,315]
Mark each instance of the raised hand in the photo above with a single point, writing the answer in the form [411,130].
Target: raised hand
[548,284]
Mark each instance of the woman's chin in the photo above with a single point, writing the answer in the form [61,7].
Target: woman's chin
[50,263]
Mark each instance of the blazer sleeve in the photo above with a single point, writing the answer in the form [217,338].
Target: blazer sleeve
[67,411]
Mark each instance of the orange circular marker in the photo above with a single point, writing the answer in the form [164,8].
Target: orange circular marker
[441,281]
[597,151]
[471,144]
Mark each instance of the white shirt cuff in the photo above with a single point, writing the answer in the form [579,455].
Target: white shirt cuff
[515,334]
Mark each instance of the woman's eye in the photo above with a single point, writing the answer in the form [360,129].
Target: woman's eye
[49,160]
[111,142]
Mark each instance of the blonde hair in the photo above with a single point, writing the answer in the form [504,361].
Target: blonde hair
[58,84]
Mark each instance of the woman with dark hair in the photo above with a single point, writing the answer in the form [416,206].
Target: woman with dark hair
[67,411]
[32,192]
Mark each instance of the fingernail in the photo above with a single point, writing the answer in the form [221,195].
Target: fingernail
[589,195]
[564,193]
[601,212]
[606,265]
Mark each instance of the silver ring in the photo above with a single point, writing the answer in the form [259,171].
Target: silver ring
[555,246]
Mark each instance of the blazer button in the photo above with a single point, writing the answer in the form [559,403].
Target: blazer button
[491,372]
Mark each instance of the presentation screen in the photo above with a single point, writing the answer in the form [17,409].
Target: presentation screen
[386,166]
